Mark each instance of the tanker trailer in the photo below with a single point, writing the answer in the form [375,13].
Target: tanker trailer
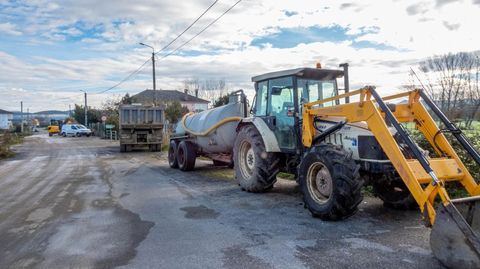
[210,133]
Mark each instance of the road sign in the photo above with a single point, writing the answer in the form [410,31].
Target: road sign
[104,118]
[109,126]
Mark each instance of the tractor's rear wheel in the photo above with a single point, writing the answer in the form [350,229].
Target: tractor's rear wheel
[330,182]
[255,169]
[391,189]
[186,156]
[172,154]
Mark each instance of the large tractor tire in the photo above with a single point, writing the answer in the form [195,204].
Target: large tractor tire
[391,189]
[255,169]
[330,182]
[172,154]
[186,155]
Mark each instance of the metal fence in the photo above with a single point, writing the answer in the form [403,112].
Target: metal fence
[100,130]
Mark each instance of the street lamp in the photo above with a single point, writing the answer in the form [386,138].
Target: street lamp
[153,72]
[85,108]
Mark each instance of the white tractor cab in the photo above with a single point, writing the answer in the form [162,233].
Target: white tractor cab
[75,130]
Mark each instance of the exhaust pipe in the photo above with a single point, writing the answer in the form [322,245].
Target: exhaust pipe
[346,84]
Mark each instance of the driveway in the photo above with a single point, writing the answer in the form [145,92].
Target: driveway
[80,203]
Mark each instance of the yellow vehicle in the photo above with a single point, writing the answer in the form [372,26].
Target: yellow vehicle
[301,124]
[53,128]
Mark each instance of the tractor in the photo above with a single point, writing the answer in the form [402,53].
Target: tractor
[300,122]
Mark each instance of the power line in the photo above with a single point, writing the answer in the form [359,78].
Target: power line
[186,29]
[199,33]
[126,78]
[179,47]
[162,49]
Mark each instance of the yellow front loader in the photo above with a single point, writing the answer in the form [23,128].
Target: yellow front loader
[454,240]
[298,124]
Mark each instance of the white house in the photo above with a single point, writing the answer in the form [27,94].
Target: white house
[5,119]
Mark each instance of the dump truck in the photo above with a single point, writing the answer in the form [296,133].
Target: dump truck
[302,123]
[141,127]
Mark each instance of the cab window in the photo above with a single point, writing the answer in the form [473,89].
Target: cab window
[261,99]
[281,94]
[313,90]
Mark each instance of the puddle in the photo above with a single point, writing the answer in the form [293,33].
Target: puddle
[199,212]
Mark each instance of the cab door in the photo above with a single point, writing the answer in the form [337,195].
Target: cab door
[281,106]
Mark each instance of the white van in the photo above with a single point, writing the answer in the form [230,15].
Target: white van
[75,130]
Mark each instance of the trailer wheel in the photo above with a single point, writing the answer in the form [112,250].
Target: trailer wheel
[123,148]
[391,189]
[172,154]
[186,156]
[330,182]
[255,169]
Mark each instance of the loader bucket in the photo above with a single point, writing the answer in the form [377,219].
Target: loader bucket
[454,238]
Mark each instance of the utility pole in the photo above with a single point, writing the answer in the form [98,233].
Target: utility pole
[69,110]
[154,80]
[153,72]
[86,118]
[21,113]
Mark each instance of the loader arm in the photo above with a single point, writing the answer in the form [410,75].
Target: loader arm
[424,177]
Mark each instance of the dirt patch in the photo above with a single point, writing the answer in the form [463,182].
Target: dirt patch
[40,214]
[238,257]
[200,212]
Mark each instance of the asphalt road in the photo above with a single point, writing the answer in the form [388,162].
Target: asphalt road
[79,203]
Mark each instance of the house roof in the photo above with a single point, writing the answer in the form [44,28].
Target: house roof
[168,96]
[5,112]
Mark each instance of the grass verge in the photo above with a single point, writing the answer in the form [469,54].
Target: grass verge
[6,141]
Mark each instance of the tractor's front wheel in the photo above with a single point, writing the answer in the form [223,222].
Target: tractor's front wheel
[255,169]
[330,182]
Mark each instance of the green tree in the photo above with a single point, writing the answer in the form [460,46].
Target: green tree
[222,100]
[110,110]
[127,100]
[175,111]
[94,115]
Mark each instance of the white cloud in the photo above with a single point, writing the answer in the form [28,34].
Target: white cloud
[9,29]
[417,29]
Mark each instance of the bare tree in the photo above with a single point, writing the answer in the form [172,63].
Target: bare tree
[473,90]
[191,84]
[447,80]
[208,89]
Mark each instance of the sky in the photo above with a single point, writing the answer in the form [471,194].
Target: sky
[51,50]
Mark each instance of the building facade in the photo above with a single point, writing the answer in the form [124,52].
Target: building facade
[6,118]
